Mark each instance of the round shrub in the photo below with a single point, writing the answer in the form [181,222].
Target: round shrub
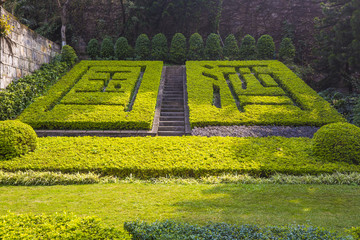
[142,47]
[231,48]
[107,48]
[122,48]
[248,48]
[16,138]
[178,49]
[338,142]
[213,50]
[266,47]
[93,48]
[68,55]
[159,47]
[196,47]
[287,50]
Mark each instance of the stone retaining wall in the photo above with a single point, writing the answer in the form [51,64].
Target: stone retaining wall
[28,52]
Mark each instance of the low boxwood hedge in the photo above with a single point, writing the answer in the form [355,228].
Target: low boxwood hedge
[77,101]
[175,156]
[286,99]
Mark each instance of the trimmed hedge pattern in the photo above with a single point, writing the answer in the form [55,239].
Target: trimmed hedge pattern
[268,93]
[96,95]
[148,157]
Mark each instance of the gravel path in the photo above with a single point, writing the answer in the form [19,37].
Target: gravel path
[255,131]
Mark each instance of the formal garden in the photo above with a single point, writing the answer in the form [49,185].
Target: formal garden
[269,154]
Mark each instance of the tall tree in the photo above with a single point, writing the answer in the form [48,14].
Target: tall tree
[63,8]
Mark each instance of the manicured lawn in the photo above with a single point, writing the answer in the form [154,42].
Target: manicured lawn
[333,207]
[177,156]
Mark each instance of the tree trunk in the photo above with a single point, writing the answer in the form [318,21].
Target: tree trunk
[63,14]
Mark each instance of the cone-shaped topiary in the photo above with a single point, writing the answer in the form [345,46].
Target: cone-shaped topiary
[107,48]
[178,49]
[248,48]
[196,47]
[338,142]
[213,50]
[93,48]
[122,48]
[287,50]
[16,138]
[68,55]
[142,47]
[265,47]
[159,47]
[231,48]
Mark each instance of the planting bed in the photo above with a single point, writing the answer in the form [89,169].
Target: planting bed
[100,95]
[252,93]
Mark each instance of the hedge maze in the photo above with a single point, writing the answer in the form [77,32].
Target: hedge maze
[100,95]
[252,93]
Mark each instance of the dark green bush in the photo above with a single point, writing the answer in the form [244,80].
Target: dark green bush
[196,47]
[57,226]
[287,50]
[159,47]
[338,142]
[68,55]
[265,47]
[178,49]
[107,48]
[248,48]
[19,94]
[356,115]
[213,50]
[93,49]
[173,230]
[355,231]
[142,47]
[122,49]
[231,48]
[16,138]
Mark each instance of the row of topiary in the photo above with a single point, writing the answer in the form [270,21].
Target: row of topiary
[180,51]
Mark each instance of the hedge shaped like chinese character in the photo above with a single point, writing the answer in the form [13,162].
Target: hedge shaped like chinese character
[100,95]
[253,93]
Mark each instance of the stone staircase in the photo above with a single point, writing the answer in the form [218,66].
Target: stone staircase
[172,112]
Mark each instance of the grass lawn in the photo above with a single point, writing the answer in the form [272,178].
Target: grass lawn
[333,207]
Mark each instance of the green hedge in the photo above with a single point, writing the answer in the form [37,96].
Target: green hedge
[146,157]
[77,100]
[174,230]
[21,93]
[269,94]
[57,226]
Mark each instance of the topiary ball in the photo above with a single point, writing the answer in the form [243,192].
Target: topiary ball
[16,138]
[338,142]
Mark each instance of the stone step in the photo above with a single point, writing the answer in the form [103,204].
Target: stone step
[174,99]
[171,128]
[171,118]
[163,110]
[171,94]
[177,107]
[172,123]
[172,114]
[173,89]
[171,133]
[172,103]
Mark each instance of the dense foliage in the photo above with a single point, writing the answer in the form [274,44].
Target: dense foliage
[213,49]
[107,48]
[260,93]
[149,157]
[142,47]
[19,94]
[159,47]
[78,102]
[173,230]
[231,48]
[122,49]
[338,142]
[287,50]
[93,49]
[68,55]
[266,47]
[248,48]
[338,42]
[196,47]
[16,138]
[57,226]
[178,49]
